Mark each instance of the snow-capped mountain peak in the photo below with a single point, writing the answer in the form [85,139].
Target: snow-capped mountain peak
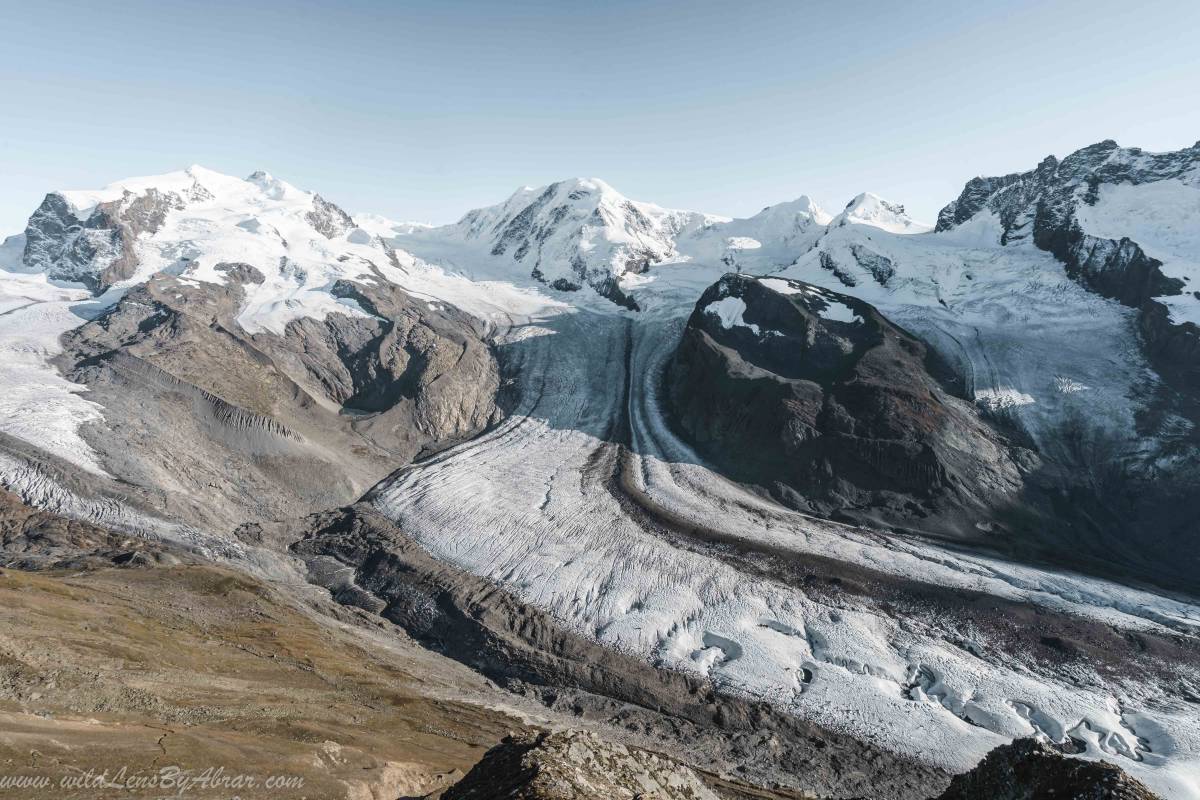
[576,232]
[773,238]
[196,222]
[871,209]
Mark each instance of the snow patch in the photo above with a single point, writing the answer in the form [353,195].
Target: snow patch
[729,310]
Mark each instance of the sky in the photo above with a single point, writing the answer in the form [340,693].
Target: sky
[423,110]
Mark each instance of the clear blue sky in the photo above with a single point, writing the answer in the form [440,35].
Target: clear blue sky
[422,110]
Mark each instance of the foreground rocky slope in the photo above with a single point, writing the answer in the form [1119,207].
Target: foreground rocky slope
[143,664]
[820,397]
[575,766]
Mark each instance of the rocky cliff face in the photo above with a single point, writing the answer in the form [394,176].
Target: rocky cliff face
[818,396]
[95,247]
[1056,207]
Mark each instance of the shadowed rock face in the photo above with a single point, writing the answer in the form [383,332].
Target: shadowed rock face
[1030,770]
[817,396]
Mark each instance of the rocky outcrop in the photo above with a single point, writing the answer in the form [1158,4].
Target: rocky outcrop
[819,397]
[34,539]
[328,219]
[96,250]
[575,765]
[1028,769]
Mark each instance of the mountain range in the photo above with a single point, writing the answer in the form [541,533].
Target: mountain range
[818,502]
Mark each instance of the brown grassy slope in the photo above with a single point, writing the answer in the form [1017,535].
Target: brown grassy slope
[199,667]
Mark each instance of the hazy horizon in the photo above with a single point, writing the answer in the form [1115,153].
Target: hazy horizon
[422,111]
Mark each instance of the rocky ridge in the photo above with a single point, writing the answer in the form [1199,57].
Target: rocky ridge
[820,397]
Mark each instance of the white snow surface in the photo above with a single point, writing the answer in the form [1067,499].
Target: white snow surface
[37,404]
[838,311]
[525,506]
[772,238]
[729,311]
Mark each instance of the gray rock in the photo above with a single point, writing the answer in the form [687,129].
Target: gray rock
[99,250]
[328,219]
[1031,770]
[575,765]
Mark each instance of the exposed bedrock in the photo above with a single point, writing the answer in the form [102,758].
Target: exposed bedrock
[228,427]
[98,250]
[817,396]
